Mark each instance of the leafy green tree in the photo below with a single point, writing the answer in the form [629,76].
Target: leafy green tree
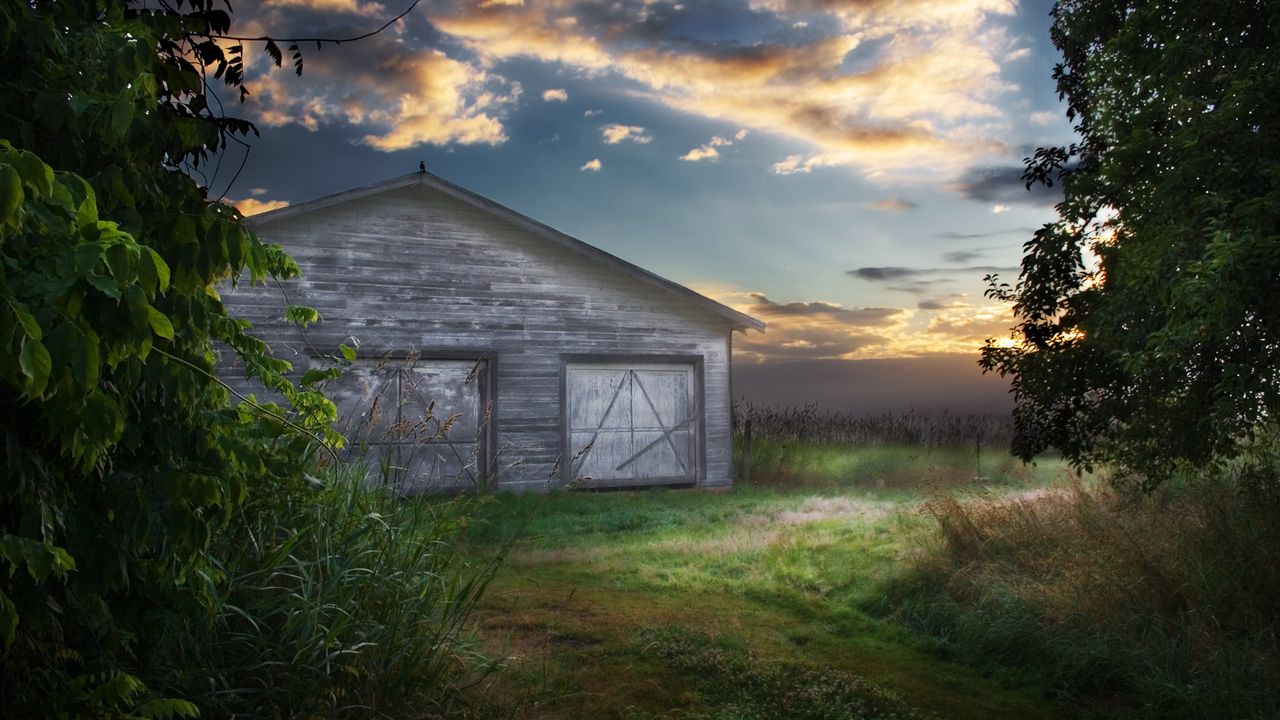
[1149,312]
[122,451]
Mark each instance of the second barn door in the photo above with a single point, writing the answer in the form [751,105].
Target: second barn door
[631,424]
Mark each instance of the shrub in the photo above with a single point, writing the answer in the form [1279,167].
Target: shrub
[1171,603]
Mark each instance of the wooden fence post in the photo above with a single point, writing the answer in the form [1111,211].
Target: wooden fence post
[746,452]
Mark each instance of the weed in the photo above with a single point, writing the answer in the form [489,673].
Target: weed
[341,600]
[910,429]
[1166,603]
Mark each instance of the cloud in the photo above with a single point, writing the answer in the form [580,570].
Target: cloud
[1017,54]
[973,324]
[741,134]
[368,9]
[954,235]
[615,133]
[253,206]
[863,317]
[962,256]
[1043,117]
[555,95]
[799,164]
[396,95]
[953,301]
[891,88]
[591,113]
[708,151]
[1004,185]
[894,273]
[919,287]
[885,273]
[892,204]
[999,208]
[817,329]
[258,191]
[592,165]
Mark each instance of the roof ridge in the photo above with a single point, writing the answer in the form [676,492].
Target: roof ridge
[738,320]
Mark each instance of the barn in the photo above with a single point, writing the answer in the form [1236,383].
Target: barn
[494,351]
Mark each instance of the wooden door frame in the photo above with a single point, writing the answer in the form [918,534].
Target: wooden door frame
[623,361]
[488,386]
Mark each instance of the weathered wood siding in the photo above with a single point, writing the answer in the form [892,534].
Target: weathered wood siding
[415,269]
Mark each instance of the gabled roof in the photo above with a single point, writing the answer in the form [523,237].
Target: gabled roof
[737,320]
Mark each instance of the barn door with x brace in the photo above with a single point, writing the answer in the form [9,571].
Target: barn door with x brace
[423,419]
[631,424]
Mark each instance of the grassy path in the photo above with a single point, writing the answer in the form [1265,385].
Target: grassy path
[684,604]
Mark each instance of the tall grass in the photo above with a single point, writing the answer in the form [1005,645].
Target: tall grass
[340,600]
[924,430]
[1168,607]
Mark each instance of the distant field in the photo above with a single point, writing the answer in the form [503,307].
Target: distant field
[757,602]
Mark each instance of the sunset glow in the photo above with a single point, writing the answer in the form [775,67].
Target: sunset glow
[846,171]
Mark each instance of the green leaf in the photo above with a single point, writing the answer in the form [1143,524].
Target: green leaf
[301,315]
[87,213]
[184,231]
[160,324]
[8,619]
[160,266]
[167,709]
[318,375]
[135,303]
[40,558]
[121,116]
[35,174]
[86,257]
[27,321]
[106,285]
[78,105]
[11,193]
[348,352]
[122,262]
[36,365]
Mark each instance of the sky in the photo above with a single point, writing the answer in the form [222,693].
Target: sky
[846,171]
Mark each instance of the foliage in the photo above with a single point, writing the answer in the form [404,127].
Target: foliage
[1166,608]
[1167,349]
[341,601]
[123,456]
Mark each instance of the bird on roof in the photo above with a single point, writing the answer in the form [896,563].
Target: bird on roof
[422,166]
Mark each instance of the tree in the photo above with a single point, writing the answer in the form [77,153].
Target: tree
[1148,314]
[123,454]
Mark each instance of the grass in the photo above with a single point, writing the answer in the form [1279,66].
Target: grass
[1158,607]
[338,601]
[715,605]
[912,469]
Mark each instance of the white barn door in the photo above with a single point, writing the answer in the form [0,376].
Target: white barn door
[421,419]
[631,424]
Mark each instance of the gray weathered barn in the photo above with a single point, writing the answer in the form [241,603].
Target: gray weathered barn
[556,360]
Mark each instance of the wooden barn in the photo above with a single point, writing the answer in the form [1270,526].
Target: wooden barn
[496,352]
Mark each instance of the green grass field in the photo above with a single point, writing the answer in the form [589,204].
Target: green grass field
[754,602]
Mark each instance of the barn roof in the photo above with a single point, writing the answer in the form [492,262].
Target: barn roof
[736,320]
